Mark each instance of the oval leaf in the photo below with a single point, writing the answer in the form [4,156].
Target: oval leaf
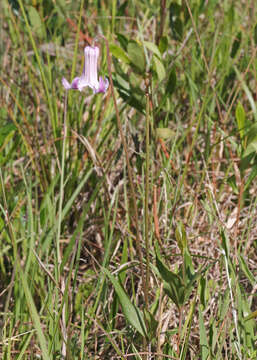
[164,133]
[37,24]
[171,84]
[136,56]
[159,68]
[152,47]
[119,53]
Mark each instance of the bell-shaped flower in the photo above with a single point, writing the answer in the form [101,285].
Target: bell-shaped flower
[89,76]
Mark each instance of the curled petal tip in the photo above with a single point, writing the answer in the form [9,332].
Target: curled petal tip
[66,84]
[103,85]
[77,83]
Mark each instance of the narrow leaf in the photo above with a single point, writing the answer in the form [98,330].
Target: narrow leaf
[131,312]
[171,83]
[34,315]
[240,117]
[203,338]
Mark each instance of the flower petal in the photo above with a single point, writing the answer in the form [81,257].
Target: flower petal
[66,84]
[103,85]
[90,66]
[76,84]
[89,76]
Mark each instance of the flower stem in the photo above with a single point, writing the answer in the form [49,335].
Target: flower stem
[132,188]
[61,187]
[147,160]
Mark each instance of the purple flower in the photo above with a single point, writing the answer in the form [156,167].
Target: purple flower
[89,75]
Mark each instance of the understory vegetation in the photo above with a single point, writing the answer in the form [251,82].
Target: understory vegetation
[128,219]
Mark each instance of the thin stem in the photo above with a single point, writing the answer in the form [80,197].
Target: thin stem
[61,185]
[234,311]
[147,160]
[179,329]
[133,193]
[41,68]
[162,20]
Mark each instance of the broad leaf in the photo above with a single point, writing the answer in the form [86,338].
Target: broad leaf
[159,68]
[136,56]
[165,133]
[119,53]
[37,25]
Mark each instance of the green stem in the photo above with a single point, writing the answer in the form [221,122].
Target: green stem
[147,160]
[130,176]
[41,69]
[61,186]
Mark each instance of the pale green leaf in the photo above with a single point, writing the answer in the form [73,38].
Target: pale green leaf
[159,68]
[240,117]
[164,133]
[152,47]
[119,53]
[37,24]
[203,338]
[136,56]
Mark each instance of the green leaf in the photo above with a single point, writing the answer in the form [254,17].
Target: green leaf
[131,312]
[240,117]
[163,44]
[152,47]
[186,332]
[251,148]
[251,177]
[246,163]
[172,292]
[251,316]
[152,324]
[164,133]
[124,259]
[136,56]
[236,44]
[176,24]
[159,68]
[37,25]
[190,286]
[203,291]
[225,243]
[122,40]
[255,35]
[2,223]
[188,265]
[173,284]
[34,315]
[246,270]
[171,83]
[251,133]
[119,53]
[181,237]
[165,273]
[203,338]
[6,133]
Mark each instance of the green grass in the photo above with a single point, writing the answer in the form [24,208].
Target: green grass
[128,220]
